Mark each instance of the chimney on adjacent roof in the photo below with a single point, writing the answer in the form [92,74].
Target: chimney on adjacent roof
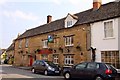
[49,18]
[97,4]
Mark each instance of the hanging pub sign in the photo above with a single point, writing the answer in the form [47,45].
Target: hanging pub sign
[50,38]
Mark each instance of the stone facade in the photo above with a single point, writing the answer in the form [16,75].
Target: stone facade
[79,49]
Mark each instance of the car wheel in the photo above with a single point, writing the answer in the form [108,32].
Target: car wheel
[98,78]
[33,70]
[46,72]
[67,75]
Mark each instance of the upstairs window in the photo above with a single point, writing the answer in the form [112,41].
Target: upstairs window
[69,41]
[69,23]
[45,43]
[26,42]
[108,29]
[20,44]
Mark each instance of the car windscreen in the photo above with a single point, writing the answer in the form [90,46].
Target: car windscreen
[51,64]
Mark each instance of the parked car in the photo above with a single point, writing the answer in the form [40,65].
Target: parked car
[90,70]
[46,67]
[118,70]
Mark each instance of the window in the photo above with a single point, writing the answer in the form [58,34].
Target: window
[45,43]
[68,60]
[108,29]
[20,44]
[26,42]
[81,66]
[69,41]
[111,57]
[69,23]
[44,57]
[91,66]
[37,62]
[55,59]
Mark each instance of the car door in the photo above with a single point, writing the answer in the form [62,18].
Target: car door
[90,70]
[42,66]
[36,66]
[78,70]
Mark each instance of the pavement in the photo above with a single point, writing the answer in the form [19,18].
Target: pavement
[24,68]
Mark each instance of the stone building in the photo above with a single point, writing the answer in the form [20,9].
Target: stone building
[66,41]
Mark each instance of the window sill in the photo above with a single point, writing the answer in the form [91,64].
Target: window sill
[108,38]
[69,45]
[45,47]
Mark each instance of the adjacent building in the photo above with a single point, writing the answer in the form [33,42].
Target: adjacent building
[91,35]
[105,34]
[10,53]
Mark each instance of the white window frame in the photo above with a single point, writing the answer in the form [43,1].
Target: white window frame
[68,59]
[20,44]
[69,41]
[26,42]
[55,59]
[107,29]
[69,23]
[45,43]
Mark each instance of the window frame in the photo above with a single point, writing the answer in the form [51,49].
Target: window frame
[26,42]
[45,43]
[68,59]
[55,59]
[69,41]
[107,31]
[20,44]
[69,23]
[111,57]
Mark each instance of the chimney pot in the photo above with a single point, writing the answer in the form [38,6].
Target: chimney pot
[97,4]
[49,18]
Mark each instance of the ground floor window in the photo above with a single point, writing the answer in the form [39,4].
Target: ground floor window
[55,59]
[111,57]
[44,57]
[68,59]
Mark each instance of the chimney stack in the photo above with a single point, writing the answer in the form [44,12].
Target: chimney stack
[97,4]
[49,18]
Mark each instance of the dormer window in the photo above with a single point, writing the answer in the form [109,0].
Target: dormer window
[70,20]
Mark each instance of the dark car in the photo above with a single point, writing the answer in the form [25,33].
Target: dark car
[46,67]
[90,71]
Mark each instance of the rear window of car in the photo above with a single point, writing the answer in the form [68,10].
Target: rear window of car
[110,66]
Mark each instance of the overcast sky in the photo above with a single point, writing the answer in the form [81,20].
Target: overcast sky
[17,16]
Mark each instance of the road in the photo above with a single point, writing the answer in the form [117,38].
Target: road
[8,72]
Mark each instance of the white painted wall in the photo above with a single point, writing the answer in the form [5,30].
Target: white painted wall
[98,40]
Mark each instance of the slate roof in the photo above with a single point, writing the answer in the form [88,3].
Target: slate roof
[11,47]
[106,11]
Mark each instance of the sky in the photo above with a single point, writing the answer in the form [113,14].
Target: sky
[17,16]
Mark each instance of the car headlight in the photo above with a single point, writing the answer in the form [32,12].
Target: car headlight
[50,68]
